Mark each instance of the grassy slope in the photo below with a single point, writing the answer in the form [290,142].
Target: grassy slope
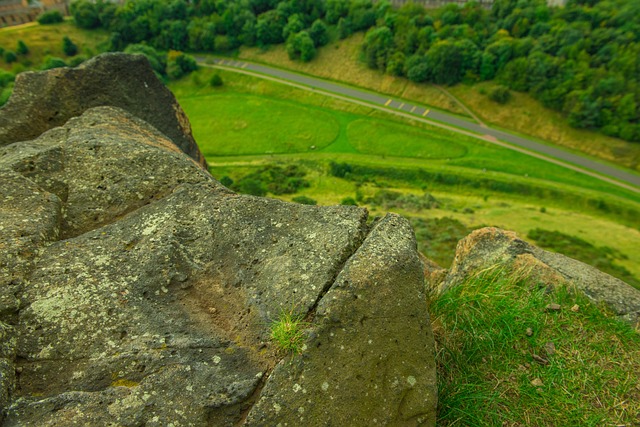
[509,211]
[488,374]
[45,40]
[339,61]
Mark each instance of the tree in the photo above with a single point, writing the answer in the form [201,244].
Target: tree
[22,48]
[344,28]
[50,17]
[301,46]
[377,46]
[445,63]
[319,33]
[68,47]
[85,14]
[269,28]
[157,60]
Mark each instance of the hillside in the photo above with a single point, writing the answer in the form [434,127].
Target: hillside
[162,291]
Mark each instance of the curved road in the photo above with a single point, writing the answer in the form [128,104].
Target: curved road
[555,155]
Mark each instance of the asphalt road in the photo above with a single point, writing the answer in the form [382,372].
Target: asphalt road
[579,163]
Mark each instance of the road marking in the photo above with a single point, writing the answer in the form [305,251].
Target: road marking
[425,113]
[388,102]
[401,105]
[565,164]
[244,65]
[413,109]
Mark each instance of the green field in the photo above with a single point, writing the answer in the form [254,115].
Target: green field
[250,122]
[43,40]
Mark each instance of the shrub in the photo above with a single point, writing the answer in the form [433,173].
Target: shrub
[500,94]
[226,181]
[10,57]
[68,47]
[349,201]
[216,80]
[53,62]
[22,48]
[157,60]
[304,200]
[50,17]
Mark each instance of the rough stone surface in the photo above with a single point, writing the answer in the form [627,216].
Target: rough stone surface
[137,290]
[369,360]
[47,99]
[491,248]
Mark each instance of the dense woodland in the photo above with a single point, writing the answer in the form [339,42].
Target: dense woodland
[582,59]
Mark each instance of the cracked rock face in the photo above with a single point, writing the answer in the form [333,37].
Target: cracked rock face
[137,290]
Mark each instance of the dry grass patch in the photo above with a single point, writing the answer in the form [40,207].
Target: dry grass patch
[526,115]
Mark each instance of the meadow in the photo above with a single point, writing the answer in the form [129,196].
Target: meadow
[339,61]
[478,183]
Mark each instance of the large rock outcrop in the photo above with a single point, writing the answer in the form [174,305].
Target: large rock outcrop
[137,290]
[47,99]
[491,248]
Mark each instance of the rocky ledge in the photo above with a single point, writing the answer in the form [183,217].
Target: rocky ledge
[137,290]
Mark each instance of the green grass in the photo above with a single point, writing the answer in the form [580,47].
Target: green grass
[43,40]
[236,124]
[402,142]
[370,136]
[287,332]
[488,374]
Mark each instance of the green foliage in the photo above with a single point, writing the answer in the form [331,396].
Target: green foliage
[390,200]
[157,59]
[6,78]
[22,48]
[603,258]
[226,181]
[500,94]
[85,14]
[349,201]
[301,46]
[438,237]
[287,332]
[52,62]
[304,200]
[10,57]
[50,17]
[488,363]
[273,179]
[68,47]
[180,64]
[319,33]
[216,80]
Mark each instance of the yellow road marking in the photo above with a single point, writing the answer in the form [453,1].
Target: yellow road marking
[413,109]
[425,113]
[388,102]
[244,65]
[401,105]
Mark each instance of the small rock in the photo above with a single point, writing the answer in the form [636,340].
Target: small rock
[550,348]
[537,382]
[529,332]
[575,308]
[553,307]
[540,360]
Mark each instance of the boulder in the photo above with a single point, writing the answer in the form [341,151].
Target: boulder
[47,99]
[491,248]
[140,291]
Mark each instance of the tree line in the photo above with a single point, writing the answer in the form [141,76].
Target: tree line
[582,59]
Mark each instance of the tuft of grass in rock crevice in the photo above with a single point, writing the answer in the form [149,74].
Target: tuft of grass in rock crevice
[491,372]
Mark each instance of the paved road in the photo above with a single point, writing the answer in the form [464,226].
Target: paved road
[583,164]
